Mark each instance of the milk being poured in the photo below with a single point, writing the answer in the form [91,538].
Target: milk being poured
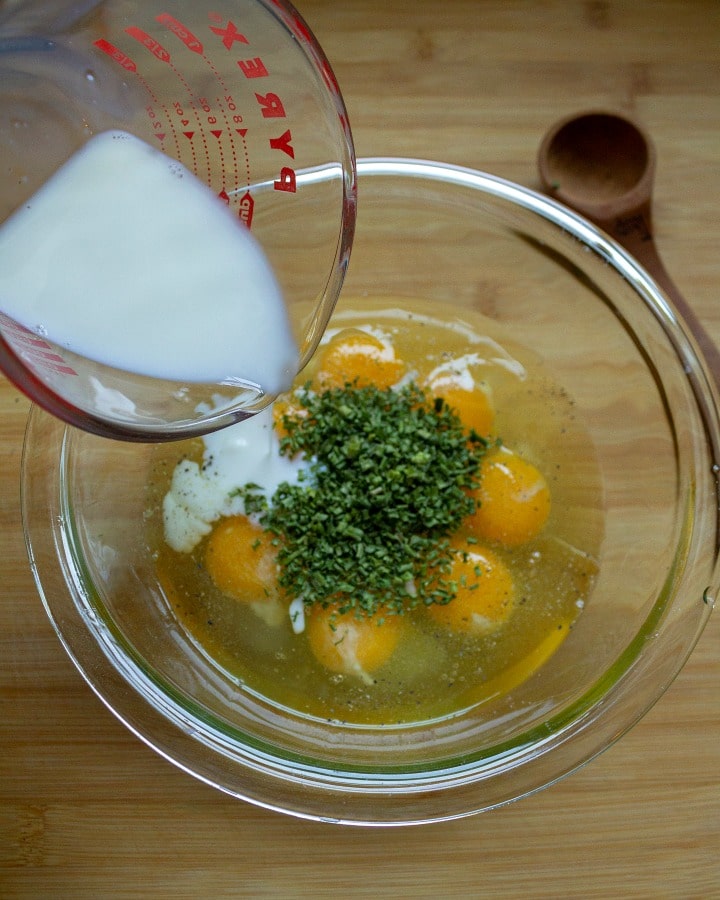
[126,258]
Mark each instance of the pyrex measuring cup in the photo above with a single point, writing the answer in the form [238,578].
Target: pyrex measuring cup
[241,94]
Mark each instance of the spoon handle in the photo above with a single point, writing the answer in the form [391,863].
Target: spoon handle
[634,233]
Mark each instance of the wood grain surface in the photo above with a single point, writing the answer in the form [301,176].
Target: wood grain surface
[87,811]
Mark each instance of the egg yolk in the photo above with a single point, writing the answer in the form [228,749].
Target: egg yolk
[241,560]
[513,500]
[349,643]
[358,358]
[472,405]
[484,593]
[286,406]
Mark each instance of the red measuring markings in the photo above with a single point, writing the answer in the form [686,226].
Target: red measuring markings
[287,180]
[246,206]
[243,132]
[193,43]
[155,47]
[253,68]
[27,344]
[229,35]
[116,54]
[283,143]
[179,30]
[271,106]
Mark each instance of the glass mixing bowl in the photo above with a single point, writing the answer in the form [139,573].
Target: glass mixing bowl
[466,242]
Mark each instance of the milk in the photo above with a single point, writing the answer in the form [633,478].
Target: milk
[200,493]
[126,258]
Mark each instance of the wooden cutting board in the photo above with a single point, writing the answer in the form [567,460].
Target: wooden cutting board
[87,811]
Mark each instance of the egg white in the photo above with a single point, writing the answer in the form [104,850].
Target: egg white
[200,494]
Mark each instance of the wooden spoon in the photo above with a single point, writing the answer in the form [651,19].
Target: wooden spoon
[603,165]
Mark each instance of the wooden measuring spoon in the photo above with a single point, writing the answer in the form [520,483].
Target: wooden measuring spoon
[603,165]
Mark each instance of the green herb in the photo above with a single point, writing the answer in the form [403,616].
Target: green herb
[390,482]
[254,500]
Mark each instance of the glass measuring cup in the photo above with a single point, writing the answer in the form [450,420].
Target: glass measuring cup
[238,92]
